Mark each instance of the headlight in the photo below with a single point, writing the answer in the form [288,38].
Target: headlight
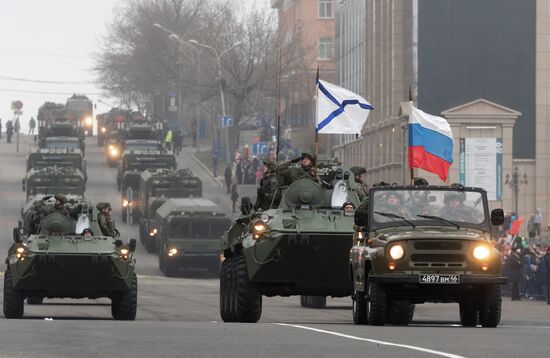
[481,252]
[153,232]
[113,152]
[124,251]
[172,252]
[103,129]
[111,146]
[397,252]
[258,229]
[21,252]
[125,203]
[89,121]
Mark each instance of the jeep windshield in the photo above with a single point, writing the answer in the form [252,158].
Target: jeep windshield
[433,207]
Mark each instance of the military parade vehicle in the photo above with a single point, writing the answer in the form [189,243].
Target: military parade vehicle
[109,122]
[155,187]
[189,231]
[43,158]
[129,172]
[300,247]
[420,244]
[64,180]
[69,258]
[65,143]
[48,112]
[79,109]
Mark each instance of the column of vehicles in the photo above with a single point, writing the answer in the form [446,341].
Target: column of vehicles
[174,219]
[401,246]
[64,245]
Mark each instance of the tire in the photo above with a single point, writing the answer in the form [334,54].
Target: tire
[360,308]
[241,302]
[400,312]
[124,305]
[313,301]
[13,299]
[469,313]
[34,300]
[491,306]
[225,299]
[378,306]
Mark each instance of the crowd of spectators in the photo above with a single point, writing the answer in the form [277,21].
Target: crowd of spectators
[525,261]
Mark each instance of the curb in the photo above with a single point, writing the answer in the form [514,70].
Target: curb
[220,183]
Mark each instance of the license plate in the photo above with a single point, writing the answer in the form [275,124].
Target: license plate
[439,279]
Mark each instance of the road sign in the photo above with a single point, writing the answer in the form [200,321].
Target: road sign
[260,148]
[16,105]
[226,121]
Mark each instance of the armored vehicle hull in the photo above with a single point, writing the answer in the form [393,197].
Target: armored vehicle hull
[300,248]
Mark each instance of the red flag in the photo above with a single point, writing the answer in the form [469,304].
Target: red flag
[514,230]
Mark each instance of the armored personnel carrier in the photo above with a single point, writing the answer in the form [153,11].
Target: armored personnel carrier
[299,248]
[69,258]
[420,244]
[37,205]
[156,187]
[189,230]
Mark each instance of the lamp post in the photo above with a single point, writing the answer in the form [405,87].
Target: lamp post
[222,97]
[514,181]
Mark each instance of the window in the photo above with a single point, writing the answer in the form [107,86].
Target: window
[325,9]
[325,49]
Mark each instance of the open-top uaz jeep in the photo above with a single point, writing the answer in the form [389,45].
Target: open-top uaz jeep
[419,244]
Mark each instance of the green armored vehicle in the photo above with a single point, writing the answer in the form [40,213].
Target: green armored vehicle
[108,122]
[79,109]
[71,144]
[299,248]
[426,244]
[155,187]
[44,158]
[69,258]
[189,234]
[54,180]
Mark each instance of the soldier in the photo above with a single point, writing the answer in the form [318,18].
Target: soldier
[106,224]
[267,192]
[419,203]
[362,188]
[306,170]
[59,206]
[455,209]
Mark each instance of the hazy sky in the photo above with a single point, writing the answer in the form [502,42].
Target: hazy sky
[51,41]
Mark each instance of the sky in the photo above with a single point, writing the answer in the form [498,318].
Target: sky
[52,41]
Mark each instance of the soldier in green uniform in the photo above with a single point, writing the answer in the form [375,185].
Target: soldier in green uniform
[267,192]
[106,224]
[362,188]
[455,210]
[59,206]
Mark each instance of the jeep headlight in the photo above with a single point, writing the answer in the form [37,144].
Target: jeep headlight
[397,252]
[481,252]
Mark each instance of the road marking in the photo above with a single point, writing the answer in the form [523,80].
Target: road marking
[406,346]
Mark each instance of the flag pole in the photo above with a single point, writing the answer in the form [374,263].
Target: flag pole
[278,79]
[411,168]
[316,149]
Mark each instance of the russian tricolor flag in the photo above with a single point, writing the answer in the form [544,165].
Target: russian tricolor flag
[430,143]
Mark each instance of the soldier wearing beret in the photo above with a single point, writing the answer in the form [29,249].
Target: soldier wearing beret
[104,219]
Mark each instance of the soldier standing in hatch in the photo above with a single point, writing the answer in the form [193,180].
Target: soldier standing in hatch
[104,219]
[267,192]
[59,206]
[362,189]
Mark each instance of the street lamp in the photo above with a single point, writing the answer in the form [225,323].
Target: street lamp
[514,181]
[222,97]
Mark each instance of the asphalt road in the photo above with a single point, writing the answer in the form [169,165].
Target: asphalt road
[179,317]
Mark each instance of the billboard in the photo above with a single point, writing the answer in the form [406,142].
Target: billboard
[481,165]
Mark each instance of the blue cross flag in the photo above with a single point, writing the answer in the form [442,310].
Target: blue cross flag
[339,110]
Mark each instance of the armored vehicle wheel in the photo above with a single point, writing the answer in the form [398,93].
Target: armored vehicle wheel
[489,315]
[34,300]
[400,312]
[225,299]
[13,299]
[244,303]
[313,301]
[124,305]
[469,313]
[377,309]
[360,308]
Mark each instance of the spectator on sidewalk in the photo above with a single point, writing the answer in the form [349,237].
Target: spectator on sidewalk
[178,142]
[227,175]
[538,221]
[168,140]
[531,230]
[194,134]
[32,125]
[9,130]
[234,196]
[215,164]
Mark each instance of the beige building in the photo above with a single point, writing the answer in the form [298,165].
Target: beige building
[390,67]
